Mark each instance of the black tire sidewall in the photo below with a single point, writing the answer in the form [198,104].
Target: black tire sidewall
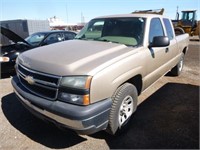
[126,89]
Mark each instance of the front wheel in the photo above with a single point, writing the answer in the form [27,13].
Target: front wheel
[123,106]
[179,67]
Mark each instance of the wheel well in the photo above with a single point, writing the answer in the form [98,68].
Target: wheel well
[137,82]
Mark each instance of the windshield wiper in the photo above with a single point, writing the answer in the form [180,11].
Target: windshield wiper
[104,40]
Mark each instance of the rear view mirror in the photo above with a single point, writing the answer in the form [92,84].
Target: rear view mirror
[160,41]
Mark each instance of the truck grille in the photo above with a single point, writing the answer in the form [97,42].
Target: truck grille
[40,84]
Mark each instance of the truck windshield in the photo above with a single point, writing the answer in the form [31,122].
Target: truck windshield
[128,31]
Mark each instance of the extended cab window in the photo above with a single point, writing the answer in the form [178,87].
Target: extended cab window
[168,28]
[156,29]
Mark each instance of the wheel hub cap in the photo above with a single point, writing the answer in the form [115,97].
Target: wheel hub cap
[126,110]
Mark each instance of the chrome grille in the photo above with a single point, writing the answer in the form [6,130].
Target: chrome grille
[44,85]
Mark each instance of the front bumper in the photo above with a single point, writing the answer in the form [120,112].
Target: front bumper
[83,119]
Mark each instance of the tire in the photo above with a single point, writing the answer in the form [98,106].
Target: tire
[179,67]
[124,104]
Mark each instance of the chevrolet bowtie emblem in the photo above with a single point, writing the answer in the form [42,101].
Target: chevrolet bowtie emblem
[30,80]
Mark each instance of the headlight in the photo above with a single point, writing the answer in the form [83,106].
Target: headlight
[75,89]
[80,82]
[4,59]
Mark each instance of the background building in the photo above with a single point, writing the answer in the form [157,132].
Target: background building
[58,24]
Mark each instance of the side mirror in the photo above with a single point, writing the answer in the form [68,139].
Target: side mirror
[160,41]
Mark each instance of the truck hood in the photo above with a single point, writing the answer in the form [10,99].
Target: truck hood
[74,57]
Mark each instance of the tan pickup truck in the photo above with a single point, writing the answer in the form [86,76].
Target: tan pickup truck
[92,83]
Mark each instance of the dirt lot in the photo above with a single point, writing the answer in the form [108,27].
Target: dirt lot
[169,118]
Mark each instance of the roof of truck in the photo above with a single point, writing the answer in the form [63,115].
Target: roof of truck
[130,15]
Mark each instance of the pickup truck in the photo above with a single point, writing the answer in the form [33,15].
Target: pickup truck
[92,83]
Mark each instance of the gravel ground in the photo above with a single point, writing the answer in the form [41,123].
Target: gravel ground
[169,118]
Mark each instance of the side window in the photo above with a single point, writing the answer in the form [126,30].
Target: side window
[53,38]
[156,29]
[69,36]
[168,28]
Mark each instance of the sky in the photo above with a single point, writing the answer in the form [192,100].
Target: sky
[71,11]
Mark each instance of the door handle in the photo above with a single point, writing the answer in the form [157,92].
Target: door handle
[167,50]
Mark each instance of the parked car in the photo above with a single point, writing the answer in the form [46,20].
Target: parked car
[9,53]
[96,79]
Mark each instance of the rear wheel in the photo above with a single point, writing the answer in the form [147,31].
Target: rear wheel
[179,31]
[179,67]
[123,106]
